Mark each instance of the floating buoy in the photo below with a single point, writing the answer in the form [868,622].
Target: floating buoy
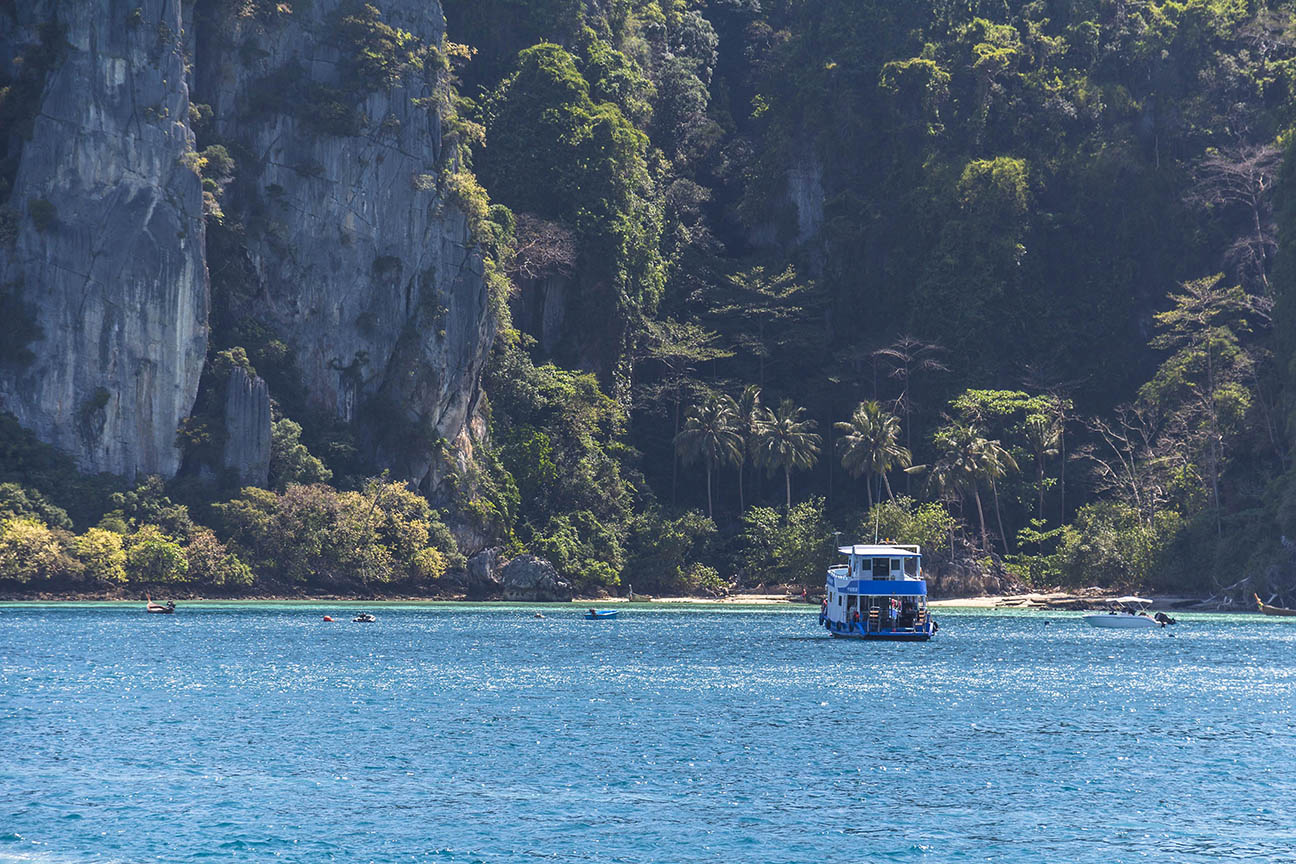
[328,618]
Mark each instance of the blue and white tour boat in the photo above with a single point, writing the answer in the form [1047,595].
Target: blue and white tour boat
[879,593]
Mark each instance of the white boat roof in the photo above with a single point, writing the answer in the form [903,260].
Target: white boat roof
[1129,599]
[884,550]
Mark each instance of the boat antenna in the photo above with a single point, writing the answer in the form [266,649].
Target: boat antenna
[875,529]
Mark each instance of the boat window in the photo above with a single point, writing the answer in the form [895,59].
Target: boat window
[911,566]
[839,599]
[881,567]
[866,565]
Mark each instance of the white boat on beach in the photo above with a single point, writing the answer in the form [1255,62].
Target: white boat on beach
[1130,613]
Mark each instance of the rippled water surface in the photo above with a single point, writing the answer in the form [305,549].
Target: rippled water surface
[456,733]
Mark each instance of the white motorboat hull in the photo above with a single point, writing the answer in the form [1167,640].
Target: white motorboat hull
[1122,622]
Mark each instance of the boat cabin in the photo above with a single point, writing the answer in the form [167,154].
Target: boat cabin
[879,593]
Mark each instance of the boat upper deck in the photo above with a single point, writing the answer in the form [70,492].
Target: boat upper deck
[879,569]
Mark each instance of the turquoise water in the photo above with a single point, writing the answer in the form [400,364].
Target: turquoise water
[455,733]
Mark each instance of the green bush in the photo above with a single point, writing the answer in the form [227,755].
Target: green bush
[904,520]
[797,550]
[290,461]
[666,552]
[581,549]
[155,558]
[318,536]
[103,556]
[31,552]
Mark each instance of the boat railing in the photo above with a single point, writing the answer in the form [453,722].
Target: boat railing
[838,570]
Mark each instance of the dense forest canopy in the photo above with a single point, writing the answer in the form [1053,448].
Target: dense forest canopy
[1001,278]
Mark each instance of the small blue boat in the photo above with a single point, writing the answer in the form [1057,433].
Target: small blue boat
[600,615]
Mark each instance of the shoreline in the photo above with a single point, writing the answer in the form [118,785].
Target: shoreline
[1057,601]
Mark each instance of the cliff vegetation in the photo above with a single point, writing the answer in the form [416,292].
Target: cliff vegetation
[678,291]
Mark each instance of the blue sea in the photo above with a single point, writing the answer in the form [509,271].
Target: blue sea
[461,733]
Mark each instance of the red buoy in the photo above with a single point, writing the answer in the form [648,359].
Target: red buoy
[327,618]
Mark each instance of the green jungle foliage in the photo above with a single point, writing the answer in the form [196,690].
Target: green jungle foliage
[1003,279]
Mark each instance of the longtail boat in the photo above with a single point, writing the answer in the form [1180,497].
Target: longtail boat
[1272,610]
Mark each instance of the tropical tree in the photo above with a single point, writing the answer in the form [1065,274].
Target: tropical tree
[870,445]
[711,434]
[784,440]
[679,347]
[909,356]
[1202,383]
[967,459]
[994,463]
[748,412]
[1045,440]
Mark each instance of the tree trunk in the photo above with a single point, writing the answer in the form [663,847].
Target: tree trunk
[1214,429]
[985,537]
[1062,466]
[994,487]
[710,512]
[742,502]
[787,481]
[868,487]
[887,484]
[1260,247]
[1039,486]
[675,454]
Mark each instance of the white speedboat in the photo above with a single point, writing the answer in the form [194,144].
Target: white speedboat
[1129,613]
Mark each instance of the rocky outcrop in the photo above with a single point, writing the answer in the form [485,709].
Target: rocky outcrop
[482,579]
[360,261]
[247,428]
[963,579]
[806,190]
[107,244]
[529,579]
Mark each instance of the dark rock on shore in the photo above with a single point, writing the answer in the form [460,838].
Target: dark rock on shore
[965,579]
[482,577]
[533,580]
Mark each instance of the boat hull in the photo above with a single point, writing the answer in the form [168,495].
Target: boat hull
[884,636]
[600,616]
[1121,622]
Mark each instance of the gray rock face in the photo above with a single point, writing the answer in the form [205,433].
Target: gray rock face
[247,427]
[966,580]
[109,245]
[805,188]
[529,579]
[363,265]
[482,578]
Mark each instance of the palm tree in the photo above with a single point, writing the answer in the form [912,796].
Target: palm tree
[710,433]
[959,468]
[784,440]
[870,444]
[1045,439]
[994,462]
[907,356]
[747,410]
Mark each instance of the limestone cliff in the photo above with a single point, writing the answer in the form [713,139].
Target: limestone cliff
[106,237]
[335,212]
[351,253]
[247,428]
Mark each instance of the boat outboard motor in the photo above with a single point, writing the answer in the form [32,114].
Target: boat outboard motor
[1163,619]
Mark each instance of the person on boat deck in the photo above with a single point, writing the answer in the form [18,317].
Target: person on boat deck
[895,612]
[856,618]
